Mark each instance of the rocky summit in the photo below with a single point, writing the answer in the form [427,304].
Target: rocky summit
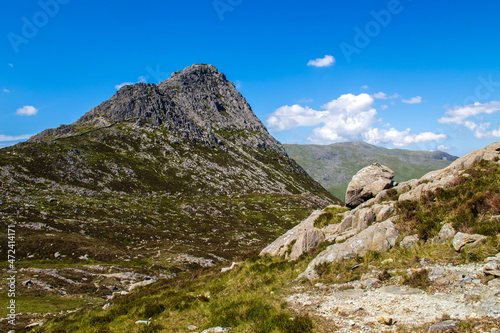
[173,176]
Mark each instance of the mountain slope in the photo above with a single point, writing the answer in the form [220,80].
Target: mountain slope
[334,165]
[405,287]
[157,179]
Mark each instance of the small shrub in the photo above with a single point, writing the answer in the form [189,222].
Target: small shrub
[418,279]
[152,309]
[384,276]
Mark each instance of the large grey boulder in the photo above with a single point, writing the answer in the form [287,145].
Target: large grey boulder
[367,183]
[378,237]
[307,241]
[282,245]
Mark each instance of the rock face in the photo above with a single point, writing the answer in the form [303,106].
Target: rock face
[307,241]
[367,183]
[196,103]
[282,245]
[378,237]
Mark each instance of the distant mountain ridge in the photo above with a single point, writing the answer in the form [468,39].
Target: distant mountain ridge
[334,165]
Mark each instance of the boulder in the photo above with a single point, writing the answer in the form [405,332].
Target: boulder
[461,239]
[307,241]
[367,183]
[377,237]
[409,241]
[443,326]
[363,218]
[446,232]
[281,245]
[492,266]
[384,213]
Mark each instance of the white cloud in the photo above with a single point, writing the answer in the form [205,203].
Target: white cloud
[11,65]
[364,87]
[413,100]
[305,100]
[326,61]
[347,118]
[384,107]
[27,110]
[4,138]
[288,117]
[142,79]
[380,95]
[123,84]
[400,138]
[238,84]
[443,147]
[460,116]
[383,95]
[5,90]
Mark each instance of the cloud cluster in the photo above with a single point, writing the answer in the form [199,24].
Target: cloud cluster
[461,115]
[347,118]
[27,110]
[8,138]
[413,100]
[326,61]
[123,84]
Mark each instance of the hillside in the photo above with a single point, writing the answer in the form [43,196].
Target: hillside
[420,257]
[334,165]
[154,181]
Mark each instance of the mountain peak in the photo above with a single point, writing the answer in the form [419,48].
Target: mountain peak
[197,103]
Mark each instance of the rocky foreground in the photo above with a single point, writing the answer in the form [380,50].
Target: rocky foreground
[388,294]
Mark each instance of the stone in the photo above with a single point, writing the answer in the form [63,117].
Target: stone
[225,269]
[384,213]
[191,327]
[367,183]
[307,241]
[443,326]
[492,268]
[363,219]
[217,329]
[409,241]
[447,232]
[378,237]
[57,255]
[461,239]
[146,322]
[386,321]
[281,245]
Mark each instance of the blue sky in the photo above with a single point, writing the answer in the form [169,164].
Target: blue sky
[408,74]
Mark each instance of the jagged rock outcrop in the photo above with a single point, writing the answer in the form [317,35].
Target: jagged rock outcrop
[306,242]
[197,103]
[413,190]
[283,244]
[377,237]
[367,183]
